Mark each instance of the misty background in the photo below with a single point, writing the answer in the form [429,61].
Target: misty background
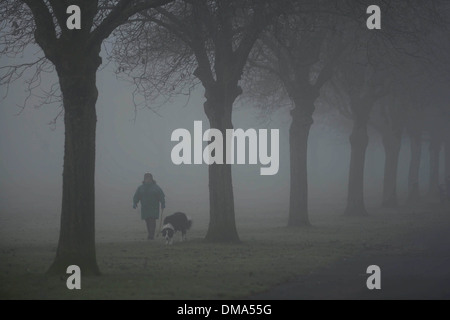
[130,144]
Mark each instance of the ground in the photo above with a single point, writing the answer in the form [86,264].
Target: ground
[325,261]
[422,272]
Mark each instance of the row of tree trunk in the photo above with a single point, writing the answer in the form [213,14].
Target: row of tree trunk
[76,57]
[392,141]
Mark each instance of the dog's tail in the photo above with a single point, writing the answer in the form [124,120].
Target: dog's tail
[189,224]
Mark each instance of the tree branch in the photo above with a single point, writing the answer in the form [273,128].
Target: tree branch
[252,33]
[327,71]
[121,13]
[179,29]
[45,33]
[265,67]
[59,10]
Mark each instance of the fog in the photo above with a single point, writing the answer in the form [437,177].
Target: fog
[131,142]
[357,188]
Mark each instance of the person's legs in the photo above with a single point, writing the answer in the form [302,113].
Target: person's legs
[151,226]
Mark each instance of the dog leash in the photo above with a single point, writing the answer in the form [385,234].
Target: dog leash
[160,222]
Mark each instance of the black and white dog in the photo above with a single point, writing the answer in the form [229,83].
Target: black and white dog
[173,223]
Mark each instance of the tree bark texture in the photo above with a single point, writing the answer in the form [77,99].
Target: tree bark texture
[76,244]
[222,222]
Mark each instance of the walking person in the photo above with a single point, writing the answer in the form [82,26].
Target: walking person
[150,195]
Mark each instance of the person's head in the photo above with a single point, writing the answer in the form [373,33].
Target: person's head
[148,177]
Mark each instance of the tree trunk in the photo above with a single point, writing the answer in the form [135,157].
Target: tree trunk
[414,167]
[435,149]
[76,244]
[222,222]
[298,147]
[359,140]
[391,143]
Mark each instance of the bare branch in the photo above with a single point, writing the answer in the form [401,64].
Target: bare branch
[120,14]
[45,32]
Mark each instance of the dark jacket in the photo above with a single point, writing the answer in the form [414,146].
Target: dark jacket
[150,195]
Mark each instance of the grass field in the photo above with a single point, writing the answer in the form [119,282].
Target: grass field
[268,255]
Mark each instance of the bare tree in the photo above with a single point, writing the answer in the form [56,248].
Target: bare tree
[389,122]
[426,120]
[414,128]
[219,35]
[435,126]
[75,55]
[362,85]
[437,99]
[382,56]
[297,54]
[401,109]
